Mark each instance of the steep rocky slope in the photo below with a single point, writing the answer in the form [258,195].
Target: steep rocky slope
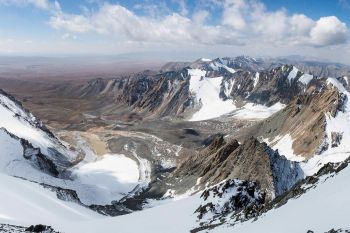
[250,160]
[313,126]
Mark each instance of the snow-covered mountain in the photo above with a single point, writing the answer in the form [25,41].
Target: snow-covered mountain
[201,90]
[277,144]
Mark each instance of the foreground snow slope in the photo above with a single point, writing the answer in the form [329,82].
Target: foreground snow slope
[173,217]
[26,203]
[320,210]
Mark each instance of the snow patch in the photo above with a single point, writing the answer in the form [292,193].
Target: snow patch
[256,111]
[284,146]
[256,79]
[293,74]
[215,66]
[205,60]
[306,78]
[207,91]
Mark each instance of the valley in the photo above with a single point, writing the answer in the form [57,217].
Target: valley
[218,142]
[174,116]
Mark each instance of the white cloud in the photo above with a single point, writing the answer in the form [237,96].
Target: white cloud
[328,31]
[252,18]
[234,14]
[200,16]
[243,22]
[73,23]
[124,24]
[42,4]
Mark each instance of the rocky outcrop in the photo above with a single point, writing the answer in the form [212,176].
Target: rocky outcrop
[6,228]
[41,161]
[304,119]
[34,155]
[251,161]
[229,197]
[144,94]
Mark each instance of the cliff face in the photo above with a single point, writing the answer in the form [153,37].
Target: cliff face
[251,161]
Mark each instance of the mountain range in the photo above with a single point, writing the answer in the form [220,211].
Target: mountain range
[235,144]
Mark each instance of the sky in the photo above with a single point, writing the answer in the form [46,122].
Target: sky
[176,29]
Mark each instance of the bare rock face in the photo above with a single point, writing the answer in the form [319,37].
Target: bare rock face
[38,159]
[40,228]
[34,155]
[6,228]
[336,139]
[250,161]
[144,94]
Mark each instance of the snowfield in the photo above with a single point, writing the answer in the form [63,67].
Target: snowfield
[256,111]
[113,176]
[207,92]
[284,147]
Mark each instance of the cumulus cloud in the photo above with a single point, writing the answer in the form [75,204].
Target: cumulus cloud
[328,31]
[234,14]
[242,22]
[124,24]
[256,21]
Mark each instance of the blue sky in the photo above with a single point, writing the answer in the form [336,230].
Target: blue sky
[172,27]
